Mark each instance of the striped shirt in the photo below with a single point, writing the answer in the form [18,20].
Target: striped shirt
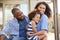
[30,30]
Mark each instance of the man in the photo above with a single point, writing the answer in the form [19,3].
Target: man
[15,27]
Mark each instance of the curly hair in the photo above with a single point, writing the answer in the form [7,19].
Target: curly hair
[47,11]
[32,14]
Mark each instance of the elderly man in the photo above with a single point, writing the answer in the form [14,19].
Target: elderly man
[15,26]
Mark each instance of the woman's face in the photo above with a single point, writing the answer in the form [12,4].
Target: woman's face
[36,18]
[41,8]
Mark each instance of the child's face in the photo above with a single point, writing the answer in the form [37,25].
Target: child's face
[36,18]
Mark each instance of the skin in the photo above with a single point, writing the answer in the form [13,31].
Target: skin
[35,19]
[42,9]
[2,37]
[19,16]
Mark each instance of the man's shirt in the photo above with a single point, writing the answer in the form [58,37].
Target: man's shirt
[13,26]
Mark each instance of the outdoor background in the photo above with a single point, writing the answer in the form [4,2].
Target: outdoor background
[26,6]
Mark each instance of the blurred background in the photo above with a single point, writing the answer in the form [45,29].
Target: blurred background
[26,6]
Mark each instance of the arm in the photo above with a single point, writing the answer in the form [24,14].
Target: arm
[29,34]
[42,32]
[26,27]
[2,37]
[34,26]
[5,30]
[43,25]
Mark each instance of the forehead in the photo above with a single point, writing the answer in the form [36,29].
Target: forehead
[37,15]
[18,11]
[42,5]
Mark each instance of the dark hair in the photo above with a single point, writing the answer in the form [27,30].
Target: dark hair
[32,14]
[47,11]
[14,9]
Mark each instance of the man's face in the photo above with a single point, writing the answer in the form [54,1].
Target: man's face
[19,15]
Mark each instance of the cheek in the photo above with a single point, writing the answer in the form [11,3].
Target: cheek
[21,17]
[36,19]
[39,9]
[18,16]
[15,16]
[43,10]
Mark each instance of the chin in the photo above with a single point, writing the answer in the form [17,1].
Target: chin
[37,22]
[22,19]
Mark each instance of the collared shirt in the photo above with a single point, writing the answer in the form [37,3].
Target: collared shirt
[43,23]
[12,26]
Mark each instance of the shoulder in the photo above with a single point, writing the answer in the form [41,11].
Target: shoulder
[30,22]
[26,18]
[44,16]
[8,23]
[11,20]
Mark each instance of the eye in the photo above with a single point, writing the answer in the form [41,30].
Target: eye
[37,17]
[44,8]
[40,7]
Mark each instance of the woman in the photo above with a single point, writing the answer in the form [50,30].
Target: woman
[42,26]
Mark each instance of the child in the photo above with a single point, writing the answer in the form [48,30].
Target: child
[34,18]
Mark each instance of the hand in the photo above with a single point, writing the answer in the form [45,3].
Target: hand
[2,37]
[27,27]
[28,34]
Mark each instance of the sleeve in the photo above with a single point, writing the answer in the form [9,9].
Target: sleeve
[6,29]
[44,23]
